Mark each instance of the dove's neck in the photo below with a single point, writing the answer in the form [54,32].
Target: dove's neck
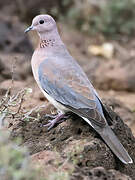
[50,39]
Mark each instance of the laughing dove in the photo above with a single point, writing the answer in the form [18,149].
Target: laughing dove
[66,86]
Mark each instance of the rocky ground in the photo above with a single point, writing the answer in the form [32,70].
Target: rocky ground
[72,147]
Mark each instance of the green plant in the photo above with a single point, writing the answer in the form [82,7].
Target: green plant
[116,18]
[59,176]
[112,18]
[14,161]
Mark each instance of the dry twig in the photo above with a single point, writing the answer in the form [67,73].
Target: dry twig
[11,107]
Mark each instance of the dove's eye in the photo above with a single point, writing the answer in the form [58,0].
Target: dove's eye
[41,21]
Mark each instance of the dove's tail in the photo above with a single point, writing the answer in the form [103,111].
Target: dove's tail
[112,141]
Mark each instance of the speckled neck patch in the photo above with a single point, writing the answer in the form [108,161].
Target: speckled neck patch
[47,43]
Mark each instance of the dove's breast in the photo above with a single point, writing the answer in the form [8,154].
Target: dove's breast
[35,63]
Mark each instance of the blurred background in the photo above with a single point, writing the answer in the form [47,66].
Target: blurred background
[100,35]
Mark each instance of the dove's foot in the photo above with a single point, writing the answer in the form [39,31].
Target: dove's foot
[57,119]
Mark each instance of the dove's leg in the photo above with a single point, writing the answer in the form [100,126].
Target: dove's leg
[51,116]
[60,117]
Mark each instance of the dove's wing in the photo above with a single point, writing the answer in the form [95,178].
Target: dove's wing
[68,85]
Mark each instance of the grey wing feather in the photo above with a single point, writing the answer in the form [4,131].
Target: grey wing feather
[70,98]
[89,107]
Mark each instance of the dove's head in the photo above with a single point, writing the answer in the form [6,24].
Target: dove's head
[42,24]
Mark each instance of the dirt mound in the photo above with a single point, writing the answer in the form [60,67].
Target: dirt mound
[79,143]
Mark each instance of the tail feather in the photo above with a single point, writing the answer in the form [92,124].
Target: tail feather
[112,141]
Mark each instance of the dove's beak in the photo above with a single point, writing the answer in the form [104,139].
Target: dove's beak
[28,29]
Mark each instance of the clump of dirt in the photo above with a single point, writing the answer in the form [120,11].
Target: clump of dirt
[76,141]
[100,173]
